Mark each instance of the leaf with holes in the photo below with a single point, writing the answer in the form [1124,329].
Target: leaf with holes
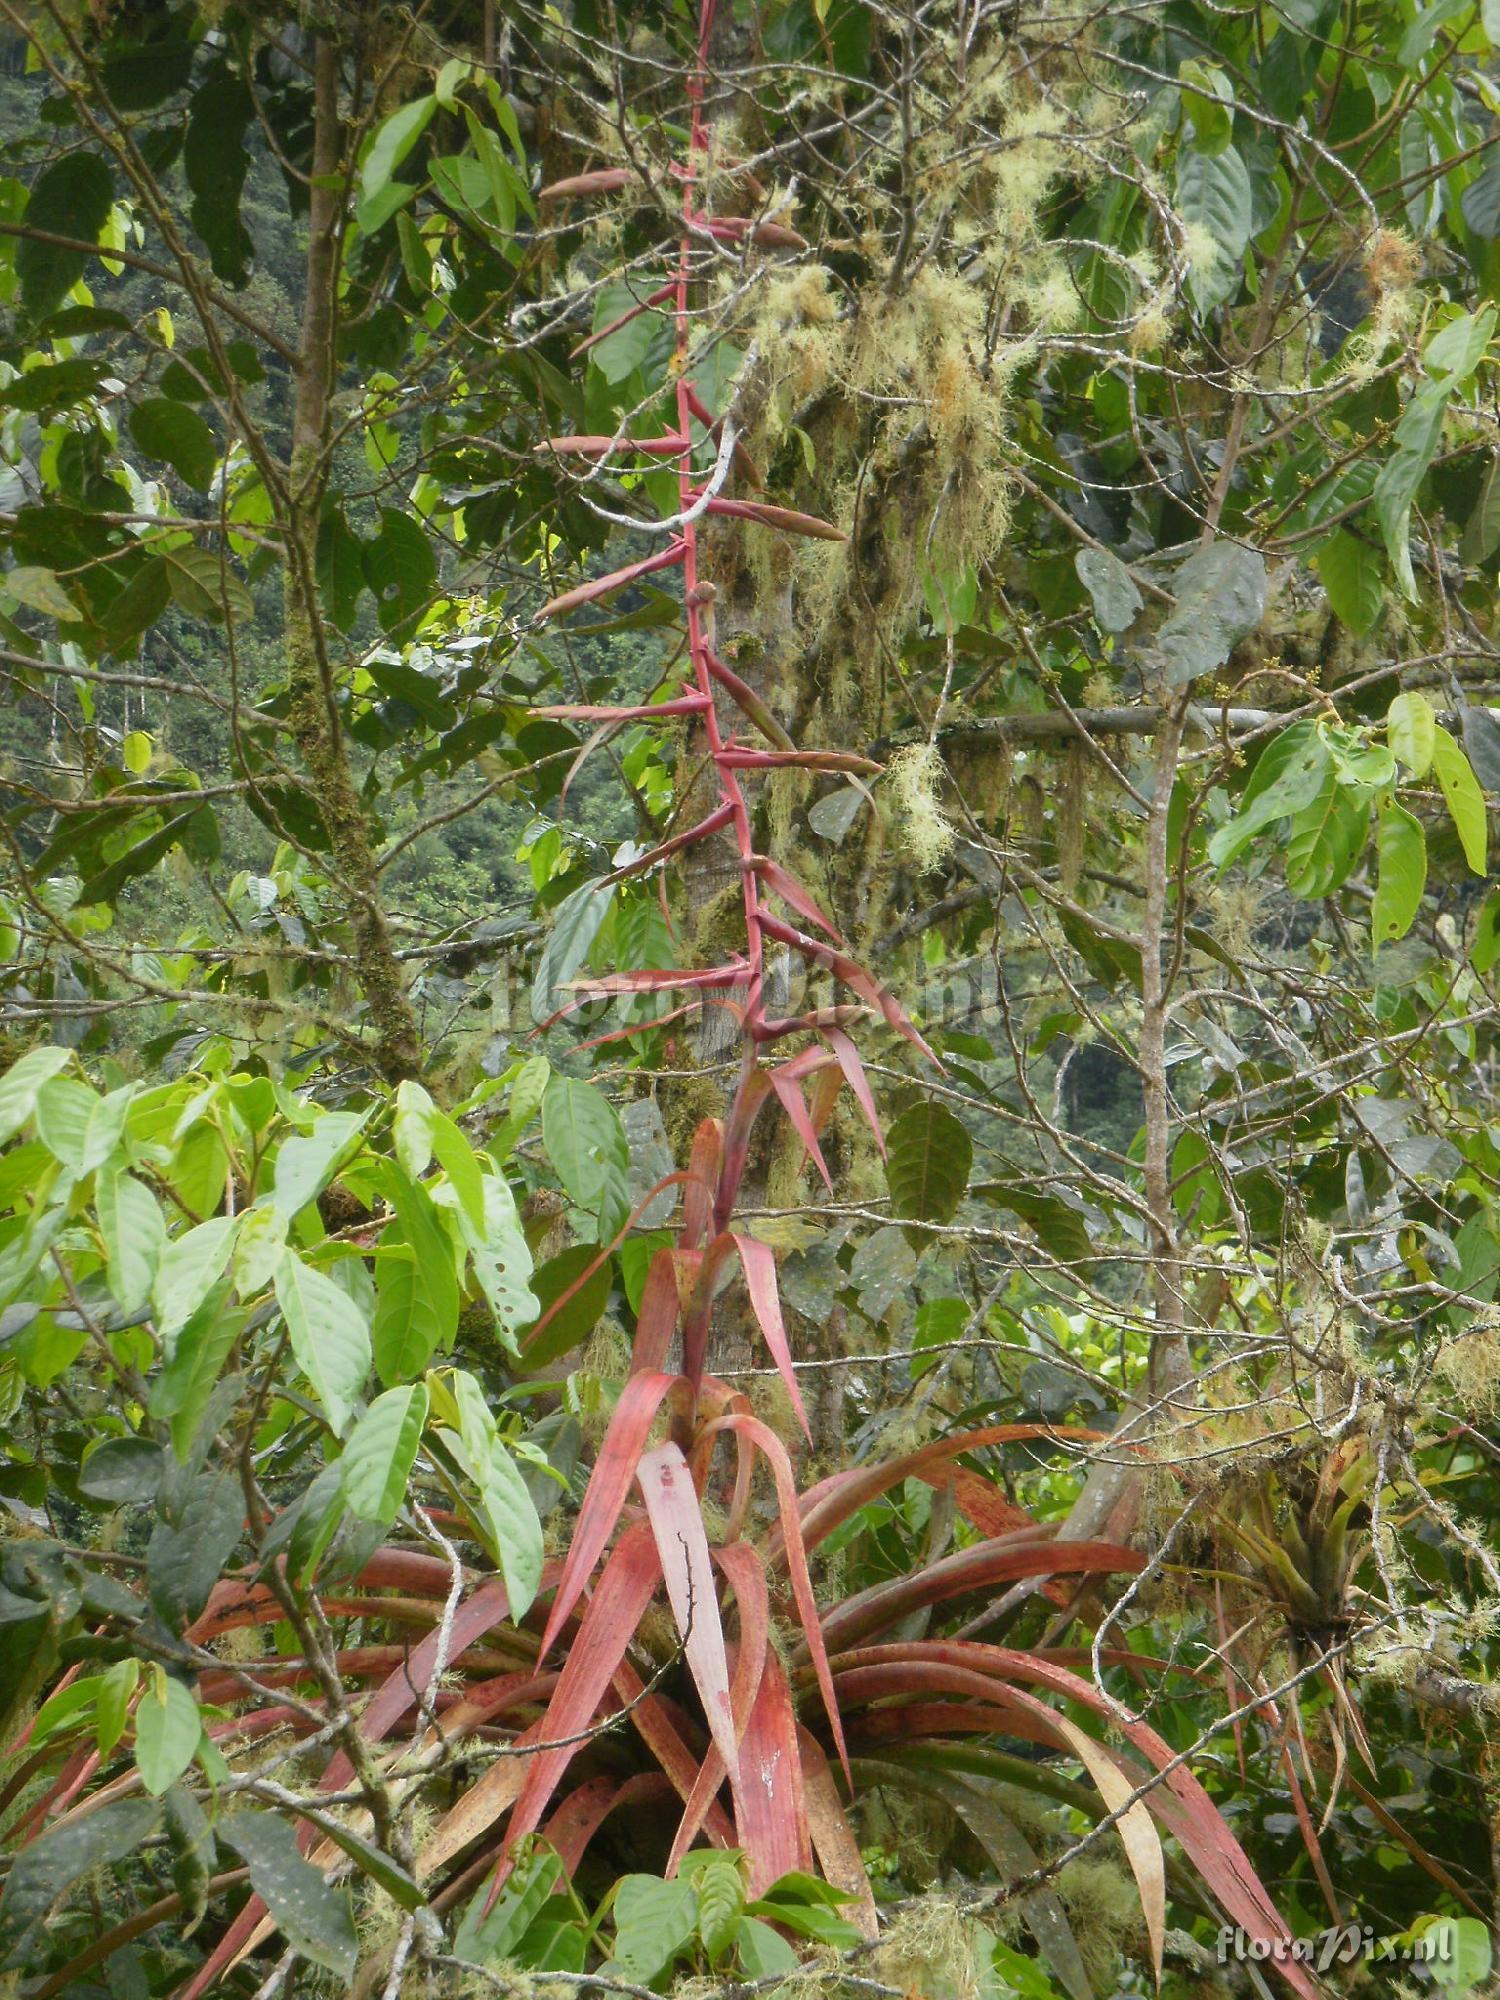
[1465,800]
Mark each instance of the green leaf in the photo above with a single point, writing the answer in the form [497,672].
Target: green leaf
[400,569]
[1402,848]
[1465,800]
[502,1258]
[73,197]
[577,1319]
[216,158]
[654,1921]
[43,1871]
[1481,535]
[527,1090]
[417,1310]
[721,1904]
[928,1156]
[328,1335]
[77,1125]
[1411,731]
[1485,949]
[142,855]
[1288,775]
[39,590]
[575,924]
[205,585]
[626,349]
[167,1729]
[21,1083]
[1221,597]
[939,1322]
[408,1328]
[381,1452]
[1353,577]
[1398,480]
[194,1358]
[1214,195]
[764,1953]
[175,433]
[1458,347]
[1325,839]
[1110,586]
[123,1471]
[340,568]
[1208,100]
[185,1556]
[311,1915]
[589,1151]
[306,1164]
[491,1936]
[389,145]
[112,1703]
[193,1851]
[188,1266]
[518,1529]
[134,1236]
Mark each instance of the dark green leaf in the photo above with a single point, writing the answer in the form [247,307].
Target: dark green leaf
[71,198]
[928,1156]
[175,432]
[46,1869]
[312,1916]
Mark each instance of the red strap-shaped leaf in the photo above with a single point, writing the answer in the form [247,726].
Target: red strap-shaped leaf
[605,586]
[847,1057]
[676,1518]
[626,1586]
[609,1483]
[789,1095]
[758,1261]
[795,1556]
[770,1805]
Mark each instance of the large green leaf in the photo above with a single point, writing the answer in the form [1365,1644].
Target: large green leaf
[328,1335]
[46,1868]
[306,1163]
[1221,596]
[389,145]
[310,1913]
[1325,838]
[1402,848]
[1288,775]
[1215,198]
[135,1235]
[1465,799]
[928,1154]
[381,1452]
[589,1151]
[1399,479]
[175,433]
[1354,578]
[71,198]
[575,925]
[22,1083]
[216,158]
[1410,725]
[417,1310]
[167,1729]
